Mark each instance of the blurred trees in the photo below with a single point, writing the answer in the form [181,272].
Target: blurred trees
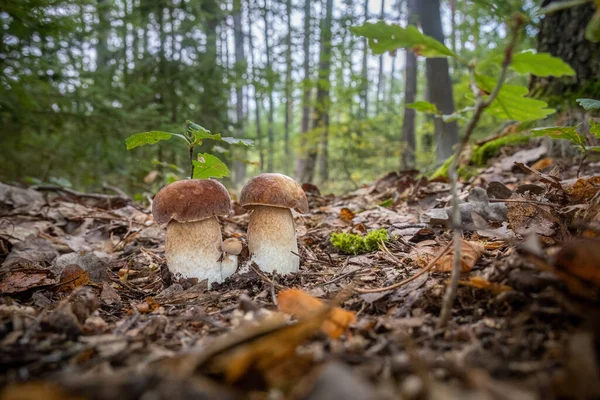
[78,76]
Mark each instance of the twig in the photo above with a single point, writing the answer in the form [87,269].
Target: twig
[537,203]
[97,196]
[480,105]
[412,278]
[265,278]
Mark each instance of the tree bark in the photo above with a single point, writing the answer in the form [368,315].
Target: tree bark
[288,87]
[380,96]
[364,71]
[239,166]
[257,102]
[323,86]
[562,35]
[301,160]
[270,72]
[439,85]
[410,94]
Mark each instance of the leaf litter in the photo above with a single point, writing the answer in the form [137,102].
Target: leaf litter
[89,310]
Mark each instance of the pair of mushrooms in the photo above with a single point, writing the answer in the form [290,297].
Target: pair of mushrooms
[194,246]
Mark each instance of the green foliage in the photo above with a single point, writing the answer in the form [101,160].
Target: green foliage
[144,138]
[351,243]
[206,166]
[589,104]
[383,37]
[511,103]
[570,133]
[424,107]
[481,154]
[540,64]
[209,166]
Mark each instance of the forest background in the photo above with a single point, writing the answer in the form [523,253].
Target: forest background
[77,77]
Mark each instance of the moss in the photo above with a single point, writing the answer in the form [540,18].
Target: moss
[351,243]
[486,151]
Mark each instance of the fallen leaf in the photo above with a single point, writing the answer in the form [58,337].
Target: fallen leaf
[346,215]
[581,258]
[20,281]
[302,305]
[525,218]
[480,283]
[542,164]
[36,390]
[583,189]
[72,277]
[470,252]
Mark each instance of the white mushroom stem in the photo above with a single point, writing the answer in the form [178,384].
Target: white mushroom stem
[229,264]
[193,250]
[272,239]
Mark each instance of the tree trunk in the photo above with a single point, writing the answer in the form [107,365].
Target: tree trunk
[364,71]
[562,35]
[380,96]
[323,100]
[288,87]
[439,85]
[239,166]
[270,72]
[257,102]
[410,95]
[301,162]
[102,53]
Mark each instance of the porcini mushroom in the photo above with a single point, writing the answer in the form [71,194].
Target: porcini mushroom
[231,247]
[193,243]
[271,230]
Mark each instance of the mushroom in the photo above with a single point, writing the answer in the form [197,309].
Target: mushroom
[271,230]
[193,243]
[231,247]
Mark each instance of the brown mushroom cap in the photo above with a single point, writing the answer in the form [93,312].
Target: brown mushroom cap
[232,246]
[274,190]
[190,200]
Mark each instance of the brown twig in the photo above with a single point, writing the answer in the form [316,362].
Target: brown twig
[412,278]
[480,105]
[265,278]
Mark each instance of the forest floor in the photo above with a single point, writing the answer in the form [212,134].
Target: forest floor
[89,310]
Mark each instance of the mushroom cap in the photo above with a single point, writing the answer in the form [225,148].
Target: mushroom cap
[232,246]
[274,190]
[190,200]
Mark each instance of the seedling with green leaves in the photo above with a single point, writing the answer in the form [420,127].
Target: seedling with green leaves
[205,165]
[571,133]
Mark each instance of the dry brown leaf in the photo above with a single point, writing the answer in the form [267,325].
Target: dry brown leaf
[72,277]
[20,281]
[302,305]
[36,390]
[581,258]
[470,252]
[583,189]
[480,283]
[542,164]
[346,215]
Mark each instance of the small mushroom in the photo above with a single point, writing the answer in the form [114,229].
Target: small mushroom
[193,243]
[231,247]
[271,230]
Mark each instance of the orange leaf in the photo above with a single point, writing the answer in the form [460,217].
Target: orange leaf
[346,215]
[470,252]
[302,305]
[542,164]
[581,258]
[480,283]
[72,277]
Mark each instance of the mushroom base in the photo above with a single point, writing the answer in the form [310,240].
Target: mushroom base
[193,250]
[272,239]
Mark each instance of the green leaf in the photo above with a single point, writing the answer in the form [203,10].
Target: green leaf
[424,107]
[383,37]
[561,5]
[595,128]
[561,132]
[511,102]
[594,148]
[209,166]
[589,104]
[540,64]
[233,140]
[141,139]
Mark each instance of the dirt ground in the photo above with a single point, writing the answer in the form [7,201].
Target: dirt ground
[88,309]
